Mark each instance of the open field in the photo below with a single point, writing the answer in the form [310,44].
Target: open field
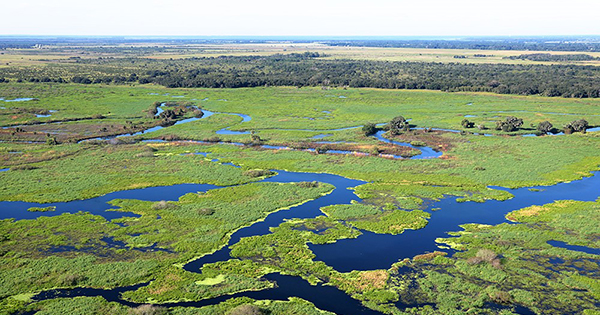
[29,57]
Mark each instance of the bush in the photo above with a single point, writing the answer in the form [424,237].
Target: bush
[467,124]
[321,150]
[501,297]
[398,123]
[257,173]
[246,309]
[145,154]
[510,124]
[148,309]
[206,211]
[369,129]
[418,143]
[71,280]
[486,255]
[577,126]
[544,127]
[51,141]
[161,205]
[308,184]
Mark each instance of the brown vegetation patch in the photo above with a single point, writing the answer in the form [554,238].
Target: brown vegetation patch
[70,132]
[525,212]
[374,279]
[162,289]
[434,139]
[429,256]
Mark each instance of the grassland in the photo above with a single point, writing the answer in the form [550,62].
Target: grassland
[72,249]
[33,57]
[80,249]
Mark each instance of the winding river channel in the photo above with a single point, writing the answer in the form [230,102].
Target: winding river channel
[367,252]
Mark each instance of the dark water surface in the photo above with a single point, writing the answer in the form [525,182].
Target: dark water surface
[378,251]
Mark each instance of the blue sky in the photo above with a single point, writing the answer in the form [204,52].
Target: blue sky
[300,18]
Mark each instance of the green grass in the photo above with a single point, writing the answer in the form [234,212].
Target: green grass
[393,196]
[181,229]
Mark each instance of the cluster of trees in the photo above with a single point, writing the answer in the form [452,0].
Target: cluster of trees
[545,44]
[396,126]
[308,70]
[551,57]
[511,124]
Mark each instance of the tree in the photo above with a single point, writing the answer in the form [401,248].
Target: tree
[369,129]
[544,126]
[398,123]
[467,124]
[579,125]
[255,138]
[514,122]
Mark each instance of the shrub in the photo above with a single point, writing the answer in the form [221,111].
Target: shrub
[576,126]
[322,150]
[369,129]
[398,123]
[145,154]
[71,280]
[161,205]
[148,309]
[308,184]
[206,211]
[257,173]
[501,297]
[418,143]
[467,124]
[246,309]
[544,127]
[51,141]
[486,255]
[511,123]
[198,113]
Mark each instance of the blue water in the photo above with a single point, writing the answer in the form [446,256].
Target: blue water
[426,152]
[341,195]
[578,248]
[99,205]
[23,99]
[324,297]
[378,251]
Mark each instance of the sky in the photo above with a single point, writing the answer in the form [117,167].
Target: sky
[300,18]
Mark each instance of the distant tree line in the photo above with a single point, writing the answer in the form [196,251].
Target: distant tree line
[551,57]
[309,70]
[539,44]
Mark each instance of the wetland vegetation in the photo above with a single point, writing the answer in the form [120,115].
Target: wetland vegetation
[169,193]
